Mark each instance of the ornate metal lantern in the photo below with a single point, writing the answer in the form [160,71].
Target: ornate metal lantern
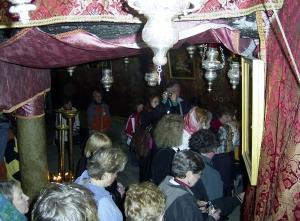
[160,32]
[234,73]
[191,50]
[107,78]
[211,64]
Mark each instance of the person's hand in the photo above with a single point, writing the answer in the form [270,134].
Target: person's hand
[121,189]
[202,206]
[216,215]
[241,196]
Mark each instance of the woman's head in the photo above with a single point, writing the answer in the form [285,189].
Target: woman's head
[106,161]
[168,131]
[65,202]
[203,141]
[154,101]
[144,201]
[139,105]
[11,191]
[195,119]
[96,141]
[187,165]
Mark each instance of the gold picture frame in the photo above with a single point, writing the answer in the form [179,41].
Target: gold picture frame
[181,65]
[253,105]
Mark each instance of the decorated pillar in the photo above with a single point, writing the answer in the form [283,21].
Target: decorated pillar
[31,134]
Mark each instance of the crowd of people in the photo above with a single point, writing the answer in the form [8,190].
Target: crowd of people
[188,174]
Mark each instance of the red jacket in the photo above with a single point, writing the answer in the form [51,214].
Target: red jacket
[131,125]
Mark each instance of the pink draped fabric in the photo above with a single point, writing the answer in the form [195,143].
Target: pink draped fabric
[21,85]
[34,48]
[277,194]
[190,119]
[53,12]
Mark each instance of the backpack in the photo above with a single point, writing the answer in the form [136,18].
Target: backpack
[141,141]
[161,164]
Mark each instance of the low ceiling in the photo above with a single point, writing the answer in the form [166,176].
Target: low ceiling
[109,30]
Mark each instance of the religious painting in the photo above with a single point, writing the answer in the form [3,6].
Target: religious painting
[253,87]
[181,65]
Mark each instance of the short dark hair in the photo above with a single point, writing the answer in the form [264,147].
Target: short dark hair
[203,141]
[138,102]
[97,92]
[185,161]
[195,102]
[66,100]
[224,109]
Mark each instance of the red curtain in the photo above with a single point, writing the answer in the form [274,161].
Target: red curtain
[277,194]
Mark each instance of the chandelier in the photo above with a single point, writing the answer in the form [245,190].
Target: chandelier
[22,7]
[160,32]
[211,64]
[107,78]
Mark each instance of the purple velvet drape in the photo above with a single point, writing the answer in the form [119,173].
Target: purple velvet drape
[21,85]
[34,48]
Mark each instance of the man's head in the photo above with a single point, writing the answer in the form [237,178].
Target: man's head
[97,96]
[144,201]
[174,88]
[204,142]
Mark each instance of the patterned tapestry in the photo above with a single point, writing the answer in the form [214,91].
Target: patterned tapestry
[53,11]
[277,194]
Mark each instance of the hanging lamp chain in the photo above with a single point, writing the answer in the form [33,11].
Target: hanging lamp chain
[159,70]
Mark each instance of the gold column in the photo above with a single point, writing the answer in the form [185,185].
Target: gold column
[62,129]
[69,114]
[31,135]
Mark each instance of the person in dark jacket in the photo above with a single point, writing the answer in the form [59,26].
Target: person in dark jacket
[210,186]
[181,203]
[150,116]
[173,103]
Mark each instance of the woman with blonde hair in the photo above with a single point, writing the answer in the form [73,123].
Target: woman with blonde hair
[102,169]
[144,201]
[167,141]
[100,141]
